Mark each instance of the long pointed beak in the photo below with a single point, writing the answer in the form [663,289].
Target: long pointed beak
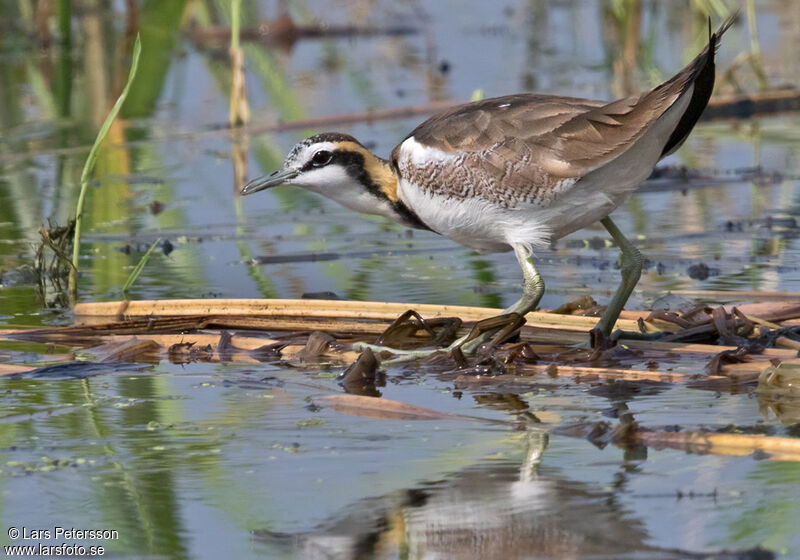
[273,180]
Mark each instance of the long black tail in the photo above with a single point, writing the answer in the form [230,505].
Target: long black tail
[702,71]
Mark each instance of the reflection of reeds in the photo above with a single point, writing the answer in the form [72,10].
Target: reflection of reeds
[239,116]
[64,15]
[710,8]
[623,27]
[89,166]
[139,267]
[755,45]
[64,78]
[239,109]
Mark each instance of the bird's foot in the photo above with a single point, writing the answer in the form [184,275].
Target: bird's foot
[402,334]
[403,331]
[487,334]
[484,335]
[600,342]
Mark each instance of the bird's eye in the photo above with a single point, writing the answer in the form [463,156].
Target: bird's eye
[322,157]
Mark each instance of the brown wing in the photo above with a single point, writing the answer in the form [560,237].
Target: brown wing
[473,127]
[562,137]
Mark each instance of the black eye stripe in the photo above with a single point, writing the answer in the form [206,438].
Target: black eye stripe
[352,162]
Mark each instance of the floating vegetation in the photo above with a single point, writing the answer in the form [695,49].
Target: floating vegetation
[52,263]
[707,347]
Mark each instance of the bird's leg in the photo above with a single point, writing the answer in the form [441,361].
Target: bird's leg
[532,291]
[631,270]
[532,283]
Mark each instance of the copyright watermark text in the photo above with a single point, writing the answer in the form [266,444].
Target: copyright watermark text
[57,541]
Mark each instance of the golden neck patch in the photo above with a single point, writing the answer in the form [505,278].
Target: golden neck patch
[379,171]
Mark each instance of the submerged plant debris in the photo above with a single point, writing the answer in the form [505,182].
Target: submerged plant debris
[52,261]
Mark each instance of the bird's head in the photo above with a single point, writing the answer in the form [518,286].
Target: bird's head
[338,167]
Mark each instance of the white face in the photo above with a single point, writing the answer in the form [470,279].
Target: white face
[302,154]
[324,180]
[317,173]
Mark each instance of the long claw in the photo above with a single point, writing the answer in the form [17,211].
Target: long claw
[494,330]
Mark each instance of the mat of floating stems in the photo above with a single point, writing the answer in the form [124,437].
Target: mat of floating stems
[156,329]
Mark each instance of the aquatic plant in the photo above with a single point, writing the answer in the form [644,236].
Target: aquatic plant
[89,166]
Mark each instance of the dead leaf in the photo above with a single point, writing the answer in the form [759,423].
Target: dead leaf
[381,409]
[363,369]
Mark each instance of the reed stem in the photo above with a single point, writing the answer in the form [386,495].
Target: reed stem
[88,167]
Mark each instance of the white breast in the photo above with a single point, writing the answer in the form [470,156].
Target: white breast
[474,222]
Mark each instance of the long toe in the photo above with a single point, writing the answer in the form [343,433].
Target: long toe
[491,331]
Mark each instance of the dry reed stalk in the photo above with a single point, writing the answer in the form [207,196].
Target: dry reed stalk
[146,350]
[324,308]
[772,311]
[778,448]
[379,408]
[8,334]
[710,349]
[744,373]
[769,312]
[583,374]
[762,322]
[736,295]
[785,342]
[586,373]
[88,332]
[197,339]
[193,322]
[550,336]
[295,352]
[274,307]
[11,369]
[241,345]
